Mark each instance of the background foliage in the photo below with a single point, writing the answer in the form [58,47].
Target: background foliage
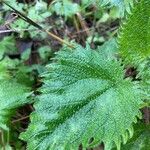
[92,96]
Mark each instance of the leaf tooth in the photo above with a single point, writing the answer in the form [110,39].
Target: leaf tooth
[139,115]
[135,120]
[131,131]
[118,143]
[108,145]
[125,137]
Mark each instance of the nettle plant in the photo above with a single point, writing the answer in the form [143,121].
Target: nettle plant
[86,98]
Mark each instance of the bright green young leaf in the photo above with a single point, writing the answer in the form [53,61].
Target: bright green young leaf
[84,96]
[134,39]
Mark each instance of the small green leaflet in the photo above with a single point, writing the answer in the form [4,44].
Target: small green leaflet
[84,96]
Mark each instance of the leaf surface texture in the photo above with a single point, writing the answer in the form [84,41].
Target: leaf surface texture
[84,96]
[134,39]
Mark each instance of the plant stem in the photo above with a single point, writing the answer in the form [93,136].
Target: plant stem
[59,39]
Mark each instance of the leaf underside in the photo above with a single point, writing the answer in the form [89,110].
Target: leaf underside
[84,96]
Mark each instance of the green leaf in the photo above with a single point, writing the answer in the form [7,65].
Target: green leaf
[7,45]
[15,4]
[5,65]
[120,5]
[84,95]
[65,8]
[44,52]
[38,15]
[41,6]
[144,76]
[26,54]
[12,95]
[134,39]
[140,140]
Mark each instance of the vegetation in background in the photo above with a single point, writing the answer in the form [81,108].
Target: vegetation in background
[92,94]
